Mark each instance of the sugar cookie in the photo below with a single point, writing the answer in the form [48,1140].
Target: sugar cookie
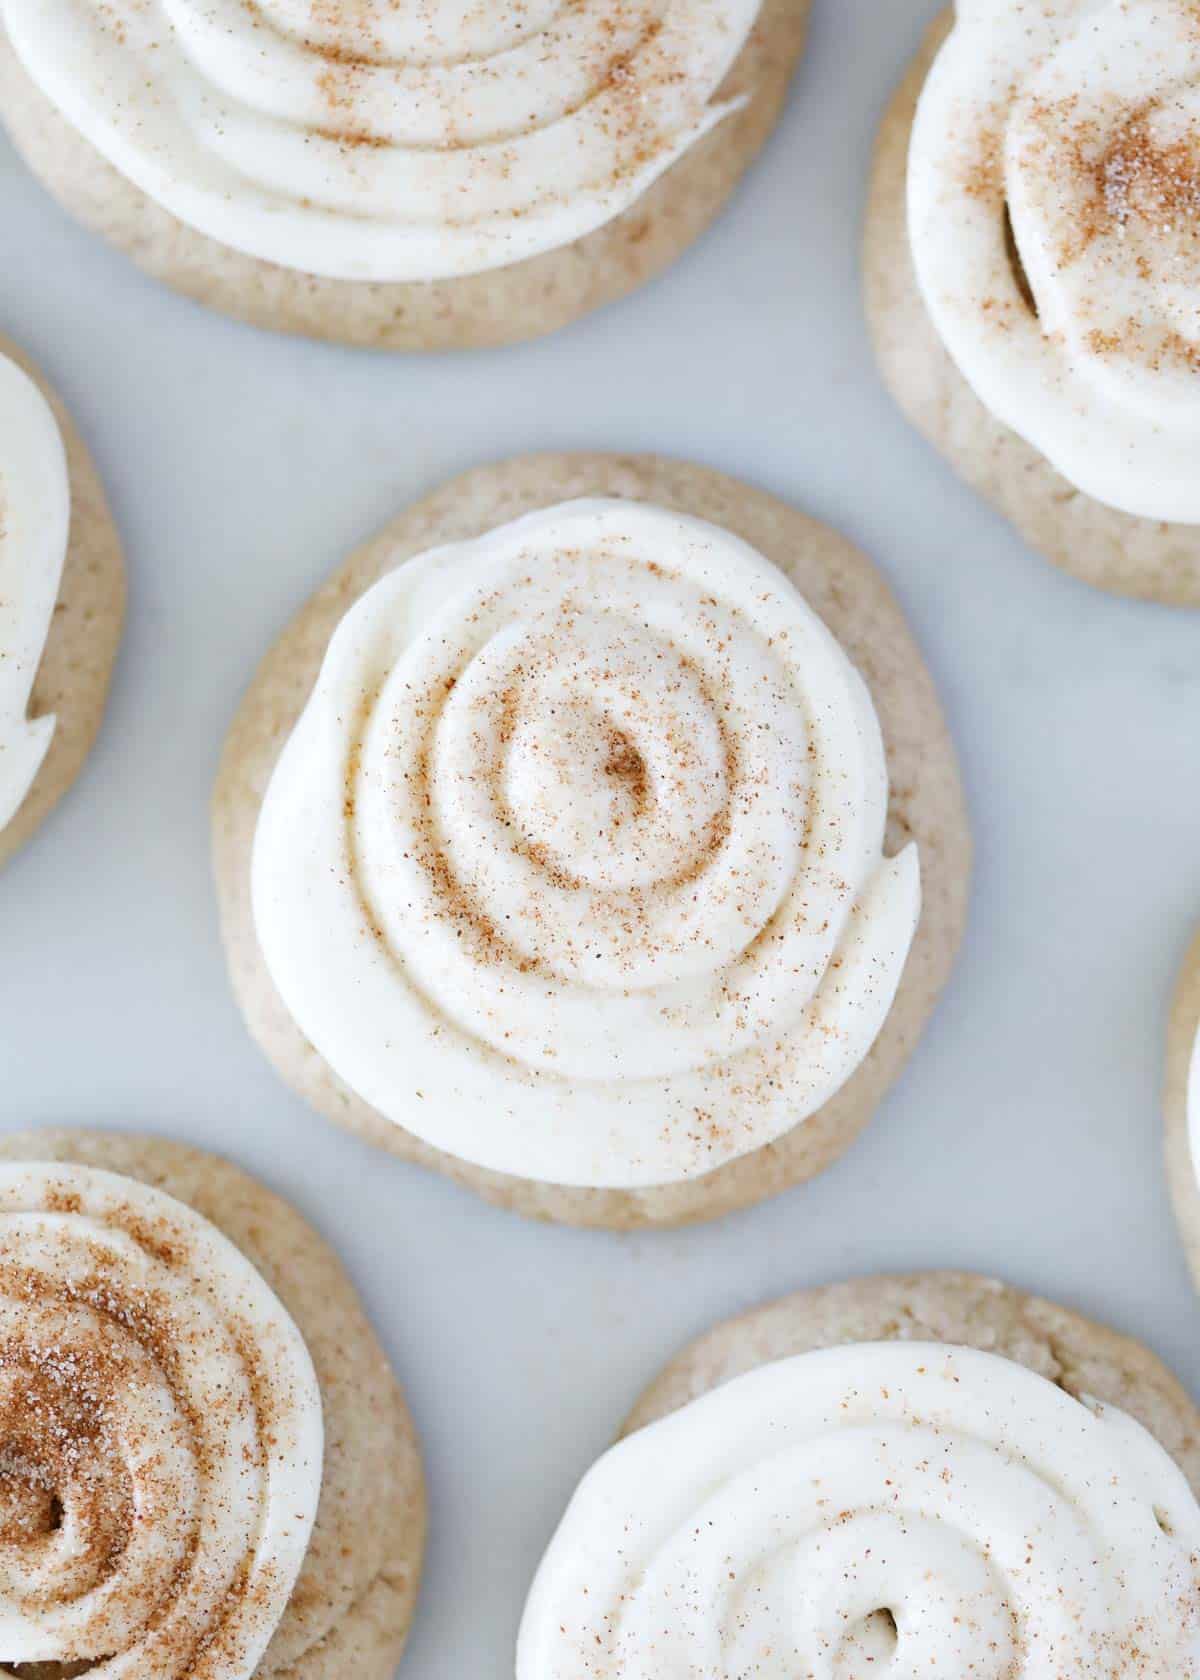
[62,601]
[403,177]
[197,1350]
[933,1472]
[619,937]
[1031,287]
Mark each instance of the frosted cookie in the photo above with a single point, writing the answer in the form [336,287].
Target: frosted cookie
[1033,275]
[1182,1097]
[924,1475]
[555,849]
[415,176]
[209,1470]
[62,601]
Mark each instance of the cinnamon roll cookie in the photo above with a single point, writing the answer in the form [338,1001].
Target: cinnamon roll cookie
[1033,275]
[555,846]
[404,175]
[1182,1096]
[922,1475]
[208,1471]
[62,600]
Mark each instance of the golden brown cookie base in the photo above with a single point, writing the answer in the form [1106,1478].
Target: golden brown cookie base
[525,301]
[1147,558]
[1181,1171]
[952,1307]
[926,806]
[353,1602]
[73,677]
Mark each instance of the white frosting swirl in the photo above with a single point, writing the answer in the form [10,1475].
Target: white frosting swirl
[35,512]
[573,864]
[1083,118]
[160,1435]
[897,1510]
[387,139]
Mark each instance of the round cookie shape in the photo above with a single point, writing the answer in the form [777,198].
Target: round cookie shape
[384,178]
[583,513]
[1015,292]
[1182,1104]
[161,1270]
[586,818]
[935,1470]
[35,513]
[62,601]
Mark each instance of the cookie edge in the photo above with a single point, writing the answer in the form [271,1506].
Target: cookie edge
[536,297]
[1182,1027]
[1146,559]
[162,1163]
[1076,1349]
[92,590]
[511,488]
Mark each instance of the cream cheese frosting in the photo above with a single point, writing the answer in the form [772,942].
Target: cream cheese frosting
[1054,208]
[35,509]
[1193,1106]
[162,1435]
[893,1509]
[365,139]
[573,865]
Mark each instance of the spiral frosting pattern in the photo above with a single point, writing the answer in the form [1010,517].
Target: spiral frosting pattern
[162,1441]
[364,139]
[894,1509]
[35,509]
[1054,196]
[573,864]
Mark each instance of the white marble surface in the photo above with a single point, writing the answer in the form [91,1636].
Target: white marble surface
[1024,1139]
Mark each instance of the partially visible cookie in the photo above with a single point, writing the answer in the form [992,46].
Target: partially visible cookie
[347,131]
[926,808]
[1182,1034]
[911,1474]
[352,1602]
[70,641]
[956,1308]
[1157,560]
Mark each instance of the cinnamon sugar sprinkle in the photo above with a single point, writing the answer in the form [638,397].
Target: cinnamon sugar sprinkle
[1144,194]
[73,1443]
[629,908]
[1160,184]
[625,84]
[1131,187]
